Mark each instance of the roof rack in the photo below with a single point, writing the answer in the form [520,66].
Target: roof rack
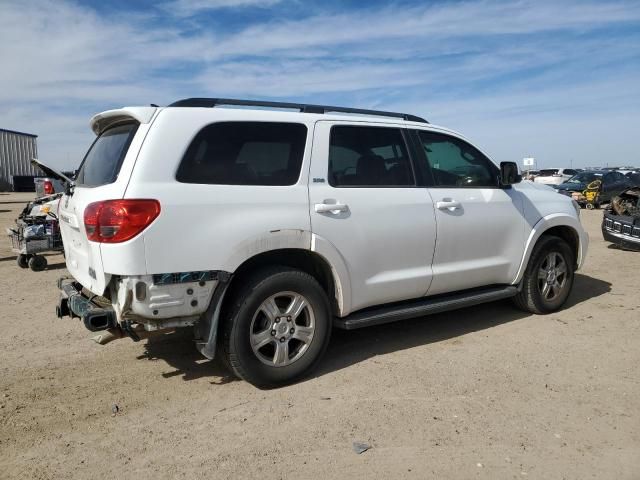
[302,107]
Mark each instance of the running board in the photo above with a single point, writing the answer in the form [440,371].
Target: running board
[426,306]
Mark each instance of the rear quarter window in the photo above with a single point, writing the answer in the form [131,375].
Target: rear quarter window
[102,162]
[245,153]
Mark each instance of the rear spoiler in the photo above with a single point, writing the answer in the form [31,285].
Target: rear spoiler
[101,121]
[50,172]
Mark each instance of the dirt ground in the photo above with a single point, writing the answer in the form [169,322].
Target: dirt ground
[485,392]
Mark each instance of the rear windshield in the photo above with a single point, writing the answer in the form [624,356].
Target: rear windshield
[102,162]
[549,172]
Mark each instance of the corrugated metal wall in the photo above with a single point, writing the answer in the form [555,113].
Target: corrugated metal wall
[16,151]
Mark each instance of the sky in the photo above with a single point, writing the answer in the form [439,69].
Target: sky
[556,80]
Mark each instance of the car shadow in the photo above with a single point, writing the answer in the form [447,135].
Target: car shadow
[351,347]
[176,348]
[56,266]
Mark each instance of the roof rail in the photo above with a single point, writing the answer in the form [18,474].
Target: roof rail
[302,107]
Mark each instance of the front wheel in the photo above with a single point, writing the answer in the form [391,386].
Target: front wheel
[37,263]
[277,327]
[548,279]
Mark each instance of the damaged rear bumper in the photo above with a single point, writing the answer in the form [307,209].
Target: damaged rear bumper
[74,303]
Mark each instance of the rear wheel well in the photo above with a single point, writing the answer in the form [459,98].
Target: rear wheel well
[570,236]
[303,260]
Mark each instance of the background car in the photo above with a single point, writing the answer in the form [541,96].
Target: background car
[613,183]
[555,176]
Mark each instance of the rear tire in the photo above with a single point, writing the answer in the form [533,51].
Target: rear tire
[37,263]
[547,282]
[276,327]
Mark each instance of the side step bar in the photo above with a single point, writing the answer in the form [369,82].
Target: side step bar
[426,306]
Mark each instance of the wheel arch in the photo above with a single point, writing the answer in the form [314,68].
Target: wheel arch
[307,261]
[564,226]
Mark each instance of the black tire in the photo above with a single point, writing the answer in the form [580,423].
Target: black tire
[23,261]
[244,312]
[531,297]
[37,263]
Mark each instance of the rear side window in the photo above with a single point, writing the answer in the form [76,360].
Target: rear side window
[368,157]
[245,153]
[102,162]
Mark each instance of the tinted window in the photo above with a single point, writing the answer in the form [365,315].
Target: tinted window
[585,177]
[549,172]
[102,162]
[568,171]
[455,163]
[368,156]
[245,153]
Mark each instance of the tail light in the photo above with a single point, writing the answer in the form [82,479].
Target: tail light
[115,221]
[48,187]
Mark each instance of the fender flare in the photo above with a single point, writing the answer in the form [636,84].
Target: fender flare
[543,225]
[339,270]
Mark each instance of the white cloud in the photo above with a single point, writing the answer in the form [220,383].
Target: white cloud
[188,8]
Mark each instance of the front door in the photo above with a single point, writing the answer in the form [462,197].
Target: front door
[365,202]
[481,228]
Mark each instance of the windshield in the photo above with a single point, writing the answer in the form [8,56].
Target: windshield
[585,177]
[548,172]
[102,163]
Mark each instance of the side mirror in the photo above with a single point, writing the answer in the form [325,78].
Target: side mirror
[509,173]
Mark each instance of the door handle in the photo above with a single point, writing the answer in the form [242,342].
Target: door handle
[448,204]
[334,208]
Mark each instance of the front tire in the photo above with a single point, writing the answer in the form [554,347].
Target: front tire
[547,282]
[277,327]
[37,263]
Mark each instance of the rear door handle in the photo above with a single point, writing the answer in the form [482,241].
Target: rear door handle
[448,204]
[334,208]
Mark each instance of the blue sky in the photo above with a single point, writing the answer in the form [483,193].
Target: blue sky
[558,80]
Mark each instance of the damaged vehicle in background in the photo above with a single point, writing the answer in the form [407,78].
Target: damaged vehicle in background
[621,221]
[612,183]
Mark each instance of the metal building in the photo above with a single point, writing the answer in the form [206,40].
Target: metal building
[16,151]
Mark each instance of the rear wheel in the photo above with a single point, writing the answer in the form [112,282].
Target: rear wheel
[547,282]
[277,327]
[23,261]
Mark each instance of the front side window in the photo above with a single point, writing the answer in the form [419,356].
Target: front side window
[245,153]
[455,163]
[102,162]
[368,157]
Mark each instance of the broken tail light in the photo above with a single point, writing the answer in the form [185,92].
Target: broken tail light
[115,221]
[48,187]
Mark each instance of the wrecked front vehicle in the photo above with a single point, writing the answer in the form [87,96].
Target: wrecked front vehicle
[621,221]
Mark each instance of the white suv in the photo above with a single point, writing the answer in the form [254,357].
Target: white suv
[555,176]
[263,228]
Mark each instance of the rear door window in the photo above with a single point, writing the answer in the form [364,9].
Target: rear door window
[245,153]
[368,157]
[102,162]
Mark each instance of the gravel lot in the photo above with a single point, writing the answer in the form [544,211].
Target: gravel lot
[486,392]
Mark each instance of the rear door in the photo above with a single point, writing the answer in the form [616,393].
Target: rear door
[365,201]
[101,177]
[481,229]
